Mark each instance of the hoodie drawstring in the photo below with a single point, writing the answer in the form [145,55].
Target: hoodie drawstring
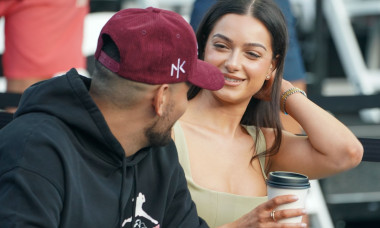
[134,193]
[121,203]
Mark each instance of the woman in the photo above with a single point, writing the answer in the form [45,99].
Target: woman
[228,140]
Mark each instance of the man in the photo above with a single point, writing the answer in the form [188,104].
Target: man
[98,152]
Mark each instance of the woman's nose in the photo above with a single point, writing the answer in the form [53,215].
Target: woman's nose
[232,64]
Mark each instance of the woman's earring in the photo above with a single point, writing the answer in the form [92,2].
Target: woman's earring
[267,77]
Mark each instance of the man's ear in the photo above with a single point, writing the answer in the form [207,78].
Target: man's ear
[160,98]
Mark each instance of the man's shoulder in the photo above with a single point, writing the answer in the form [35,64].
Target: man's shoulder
[33,124]
[33,144]
[32,137]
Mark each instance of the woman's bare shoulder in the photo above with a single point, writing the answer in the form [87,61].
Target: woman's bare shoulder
[269,135]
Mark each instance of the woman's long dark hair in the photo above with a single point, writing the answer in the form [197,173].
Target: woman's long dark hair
[258,113]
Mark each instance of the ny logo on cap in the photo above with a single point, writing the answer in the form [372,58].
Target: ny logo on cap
[178,67]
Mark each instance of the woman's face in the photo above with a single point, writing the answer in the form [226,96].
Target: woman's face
[240,46]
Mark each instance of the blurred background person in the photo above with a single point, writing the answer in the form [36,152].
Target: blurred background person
[42,38]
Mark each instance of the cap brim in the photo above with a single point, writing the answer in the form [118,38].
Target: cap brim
[207,76]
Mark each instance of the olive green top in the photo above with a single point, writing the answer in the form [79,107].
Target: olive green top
[218,208]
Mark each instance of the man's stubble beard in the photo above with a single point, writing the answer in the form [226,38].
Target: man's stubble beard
[159,133]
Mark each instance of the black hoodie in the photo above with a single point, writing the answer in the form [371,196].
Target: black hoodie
[60,166]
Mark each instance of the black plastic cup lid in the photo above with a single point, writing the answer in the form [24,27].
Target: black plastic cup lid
[289,180]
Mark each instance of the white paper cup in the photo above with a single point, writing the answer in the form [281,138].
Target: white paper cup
[288,183]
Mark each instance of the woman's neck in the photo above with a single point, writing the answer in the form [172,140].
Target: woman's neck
[207,111]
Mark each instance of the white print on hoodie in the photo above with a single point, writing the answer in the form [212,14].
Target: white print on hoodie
[139,212]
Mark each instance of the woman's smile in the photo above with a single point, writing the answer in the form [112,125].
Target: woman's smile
[232,80]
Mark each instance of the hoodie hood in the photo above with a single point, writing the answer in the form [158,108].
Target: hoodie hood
[67,98]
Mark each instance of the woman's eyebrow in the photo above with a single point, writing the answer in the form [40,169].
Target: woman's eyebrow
[255,45]
[218,35]
[222,37]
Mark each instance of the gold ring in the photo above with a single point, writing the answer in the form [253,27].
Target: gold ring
[272,215]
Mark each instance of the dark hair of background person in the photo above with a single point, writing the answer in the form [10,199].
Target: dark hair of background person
[258,113]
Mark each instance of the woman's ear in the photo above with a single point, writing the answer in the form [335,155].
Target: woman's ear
[274,64]
[272,68]
[160,99]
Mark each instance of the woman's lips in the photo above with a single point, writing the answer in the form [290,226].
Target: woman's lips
[232,81]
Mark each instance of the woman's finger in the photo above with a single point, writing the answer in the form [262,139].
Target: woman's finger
[288,213]
[279,200]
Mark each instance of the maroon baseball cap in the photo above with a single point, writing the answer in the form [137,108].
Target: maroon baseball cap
[156,47]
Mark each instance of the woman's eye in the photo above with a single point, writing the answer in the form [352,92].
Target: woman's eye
[220,45]
[253,55]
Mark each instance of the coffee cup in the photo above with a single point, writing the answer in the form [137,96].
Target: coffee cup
[288,183]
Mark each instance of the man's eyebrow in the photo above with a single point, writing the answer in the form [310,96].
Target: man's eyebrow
[230,41]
